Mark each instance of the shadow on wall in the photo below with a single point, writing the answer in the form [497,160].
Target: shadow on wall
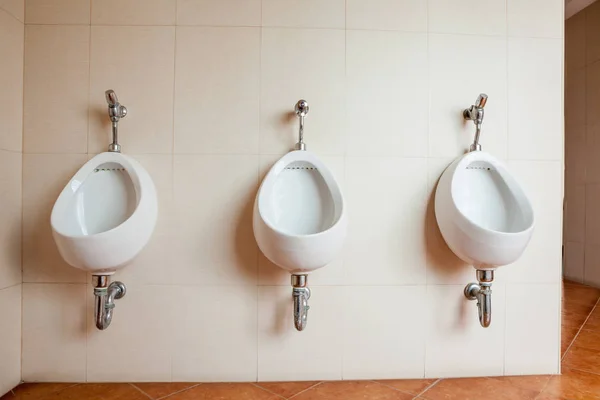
[440,259]
[245,247]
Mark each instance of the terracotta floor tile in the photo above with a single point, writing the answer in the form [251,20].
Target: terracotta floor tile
[158,390]
[99,391]
[580,294]
[34,391]
[593,323]
[577,308]
[566,337]
[352,390]
[544,396]
[583,359]
[478,389]
[414,386]
[572,320]
[225,391]
[574,385]
[532,382]
[588,339]
[287,389]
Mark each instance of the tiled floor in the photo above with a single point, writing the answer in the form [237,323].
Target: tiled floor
[580,379]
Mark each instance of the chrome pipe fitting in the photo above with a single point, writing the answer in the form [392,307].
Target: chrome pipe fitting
[104,299]
[482,292]
[116,111]
[301,294]
[476,113]
[301,110]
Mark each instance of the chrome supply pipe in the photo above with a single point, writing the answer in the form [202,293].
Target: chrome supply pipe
[104,299]
[301,294]
[482,292]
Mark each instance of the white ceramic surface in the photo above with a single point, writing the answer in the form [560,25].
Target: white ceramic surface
[105,215]
[299,214]
[483,214]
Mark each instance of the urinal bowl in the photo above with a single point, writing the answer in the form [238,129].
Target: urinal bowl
[483,214]
[299,218]
[105,215]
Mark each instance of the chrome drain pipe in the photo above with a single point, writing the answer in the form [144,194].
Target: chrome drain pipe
[104,299]
[301,294]
[482,292]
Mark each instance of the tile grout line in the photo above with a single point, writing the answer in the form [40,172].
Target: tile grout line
[579,331]
[179,391]
[141,391]
[306,390]
[429,387]
[391,387]
[266,390]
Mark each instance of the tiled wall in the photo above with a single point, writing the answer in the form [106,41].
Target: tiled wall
[582,146]
[12,30]
[210,85]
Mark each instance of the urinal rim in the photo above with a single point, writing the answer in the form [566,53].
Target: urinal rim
[508,178]
[133,169]
[302,155]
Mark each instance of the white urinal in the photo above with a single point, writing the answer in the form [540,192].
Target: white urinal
[299,217]
[105,216]
[483,214]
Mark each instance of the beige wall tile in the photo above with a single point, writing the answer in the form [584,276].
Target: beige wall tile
[575,213]
[56,89]
[487,17]
[11,82]
[575,46]
[217,192]
[44,177]
[454,87]
[573,267]
[14,7]
[453,330]
[388,218]
[57,12]
[10,338]
[317,76]
[592,214]
[219,12]
[217,97]
[314,354]
[592,94]
[536,349]
[592,39]
[536,18]
[138,64]
[134,12]
[216,338]
[534,69]
[542,181]
[371,347]
[591,272]
[401,15]
[590,160]
[304,13]
[10,215]
[379,65]
[143,345]
[577,164]
[54,328]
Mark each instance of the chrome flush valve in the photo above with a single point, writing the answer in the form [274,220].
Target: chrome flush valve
[301,109]
[475,113]
[115,111]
